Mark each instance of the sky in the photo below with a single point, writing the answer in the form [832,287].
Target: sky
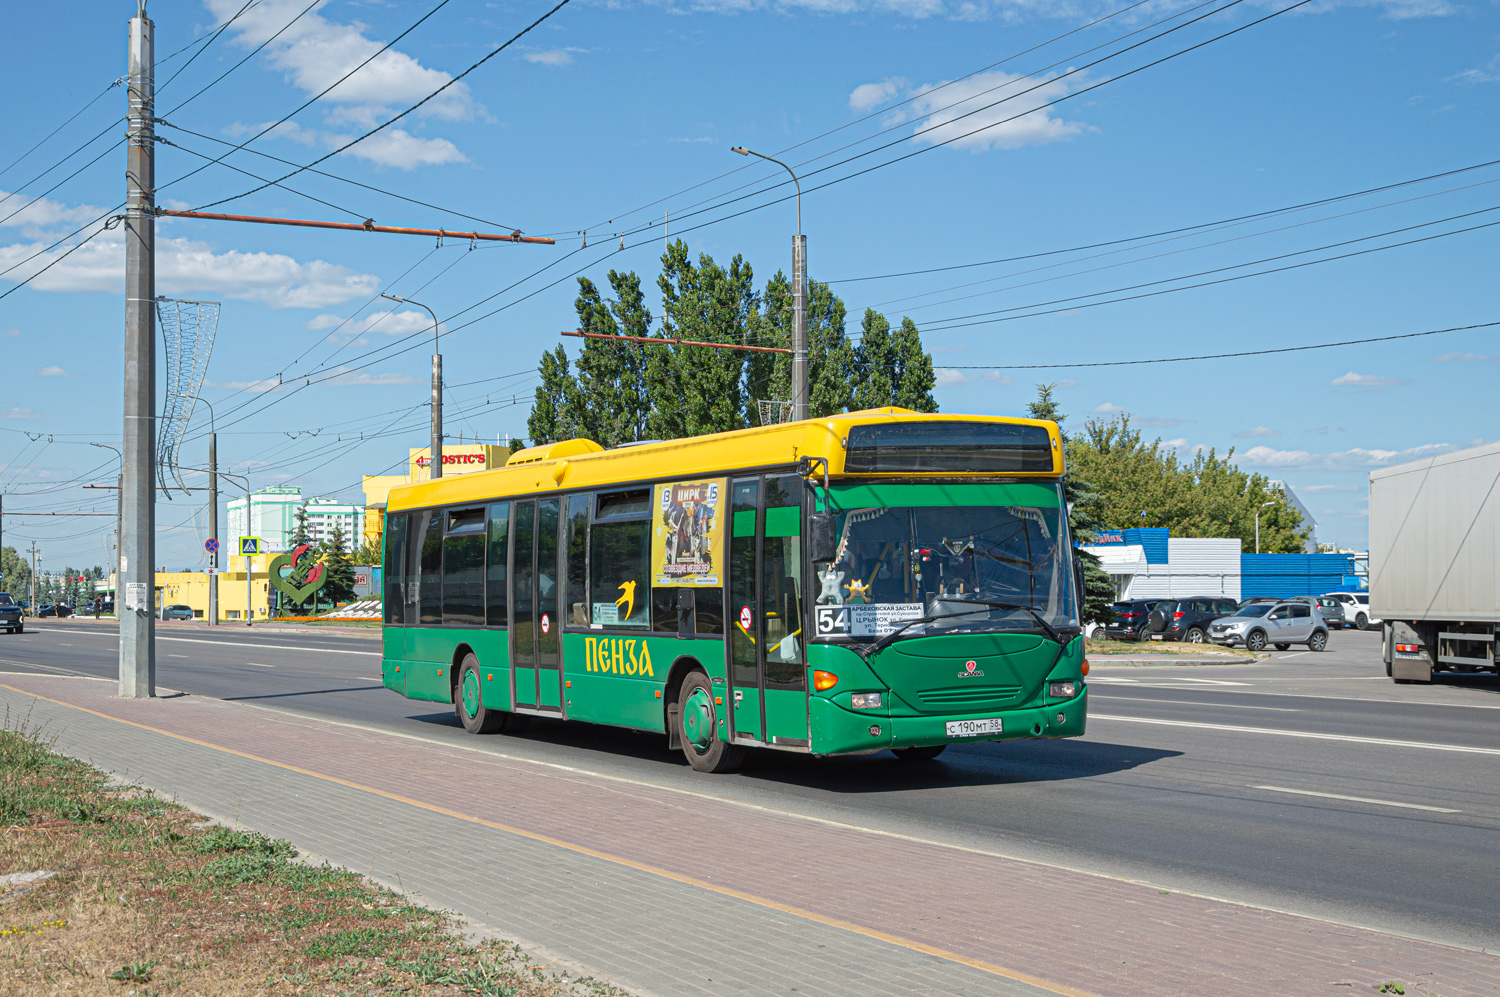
[1040,186]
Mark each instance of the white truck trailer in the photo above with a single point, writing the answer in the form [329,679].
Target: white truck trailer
[1435,563]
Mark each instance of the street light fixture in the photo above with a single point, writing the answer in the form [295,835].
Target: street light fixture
[435,452]
[1257,523]
[800,393]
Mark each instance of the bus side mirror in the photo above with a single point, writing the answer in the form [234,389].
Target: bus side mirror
[1080,583]
[822,545]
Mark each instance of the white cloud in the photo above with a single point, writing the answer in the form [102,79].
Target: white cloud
[42,215]
[10,332]
[251,387]
[1353,380]
[1107,408]
[186,266]
[947,377]
[403,150]
[868,96]
[1181,441]
[20,413]
[976,113]
[1069,383]
[286,129]
[315,52]
[53,372]
[552,56]
[1257,432]
[1357,459]
[363,378]
[1467,358]
[392,323]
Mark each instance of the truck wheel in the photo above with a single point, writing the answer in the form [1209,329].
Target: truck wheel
[698,728]
[922,754]
[1282,647]
[1255,640]
[1361,621]
[1318,641]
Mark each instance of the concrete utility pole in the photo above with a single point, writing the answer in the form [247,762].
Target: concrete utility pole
[213,527]
[800,392]
[138,523]
[33,578]
[435,452]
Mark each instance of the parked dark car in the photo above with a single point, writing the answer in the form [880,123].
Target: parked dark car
[58,610]
[1331,608]
[177,612]
[10,614]
[1129,619]
[1187,620]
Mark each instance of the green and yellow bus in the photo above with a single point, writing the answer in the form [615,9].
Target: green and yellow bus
[884,579]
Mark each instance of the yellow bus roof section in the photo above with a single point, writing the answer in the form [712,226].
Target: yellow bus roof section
[582,464]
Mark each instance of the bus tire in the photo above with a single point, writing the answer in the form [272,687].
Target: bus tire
[698,728]
[925,753]
[468,705]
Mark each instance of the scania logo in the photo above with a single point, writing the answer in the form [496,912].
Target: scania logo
[971,671]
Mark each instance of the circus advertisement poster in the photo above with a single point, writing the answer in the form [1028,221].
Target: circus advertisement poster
[687,535]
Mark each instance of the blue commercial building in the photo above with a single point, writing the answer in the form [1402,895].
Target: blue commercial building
[1284,575]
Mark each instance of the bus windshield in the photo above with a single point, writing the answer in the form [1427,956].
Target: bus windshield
[899,563]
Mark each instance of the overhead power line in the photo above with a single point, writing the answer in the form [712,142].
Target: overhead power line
[60,127]
[1222,356]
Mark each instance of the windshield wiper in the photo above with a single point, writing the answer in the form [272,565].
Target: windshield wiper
[1051,631]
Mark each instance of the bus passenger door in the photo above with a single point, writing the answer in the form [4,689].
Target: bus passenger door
[523,605]
[742,614]
[548,621]
[782,640]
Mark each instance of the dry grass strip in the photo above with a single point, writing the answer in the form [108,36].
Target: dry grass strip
[150,900]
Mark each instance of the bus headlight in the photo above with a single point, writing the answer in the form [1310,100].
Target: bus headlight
[866,700]
[1062,690]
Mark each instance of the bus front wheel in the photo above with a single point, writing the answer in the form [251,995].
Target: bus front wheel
[701,730]
[469,706]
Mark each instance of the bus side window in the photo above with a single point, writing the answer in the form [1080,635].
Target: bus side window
[463,567]
[395,567]
[578,560]
[495,608]
[432,569]
[416,531]
[621,593]
[710,610]
[664,609]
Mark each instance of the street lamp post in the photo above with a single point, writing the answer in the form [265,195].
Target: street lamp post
[435,452]
[800,393]
[1257,524]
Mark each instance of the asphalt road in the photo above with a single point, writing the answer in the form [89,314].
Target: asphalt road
[1304,782]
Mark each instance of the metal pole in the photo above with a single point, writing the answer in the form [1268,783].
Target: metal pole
[33,578]
[213,528]
[249,564]
[1257,525]
[800,392]
[137,539]
[435,451]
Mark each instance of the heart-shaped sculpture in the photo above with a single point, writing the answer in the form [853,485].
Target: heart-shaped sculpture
[298,574]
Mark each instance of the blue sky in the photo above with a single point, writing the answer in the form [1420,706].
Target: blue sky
[611,113]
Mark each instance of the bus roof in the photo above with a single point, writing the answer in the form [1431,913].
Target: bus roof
[572,464]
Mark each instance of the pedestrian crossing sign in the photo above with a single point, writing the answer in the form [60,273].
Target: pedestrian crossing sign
[250,545]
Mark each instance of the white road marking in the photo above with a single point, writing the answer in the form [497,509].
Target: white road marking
[63,644]
[1359,799]
[270,647]
[256,664]
[177,655]
[1311,735]
[366,678]
[1188,702]
[1294,654]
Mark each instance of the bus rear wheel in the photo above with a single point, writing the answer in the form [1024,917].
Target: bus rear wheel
[925,753]
[700,731]
[468,704]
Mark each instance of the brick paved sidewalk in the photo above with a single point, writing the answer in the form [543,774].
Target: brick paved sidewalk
[676,893]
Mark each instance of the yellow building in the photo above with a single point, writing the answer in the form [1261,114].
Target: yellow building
[461,458]
[190,588]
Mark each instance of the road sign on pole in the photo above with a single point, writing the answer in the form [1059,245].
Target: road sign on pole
[211,545]
[249,545]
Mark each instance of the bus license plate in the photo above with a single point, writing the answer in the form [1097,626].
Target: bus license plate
[974,728]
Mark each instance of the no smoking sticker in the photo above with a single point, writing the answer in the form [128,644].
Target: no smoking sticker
[745,617]
[546,623]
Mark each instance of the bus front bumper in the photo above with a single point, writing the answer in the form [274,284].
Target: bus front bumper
[836,730]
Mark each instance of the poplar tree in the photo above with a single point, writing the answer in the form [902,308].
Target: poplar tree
[552,410]
[611,400]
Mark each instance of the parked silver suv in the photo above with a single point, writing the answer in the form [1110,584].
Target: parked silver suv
[1280,624]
